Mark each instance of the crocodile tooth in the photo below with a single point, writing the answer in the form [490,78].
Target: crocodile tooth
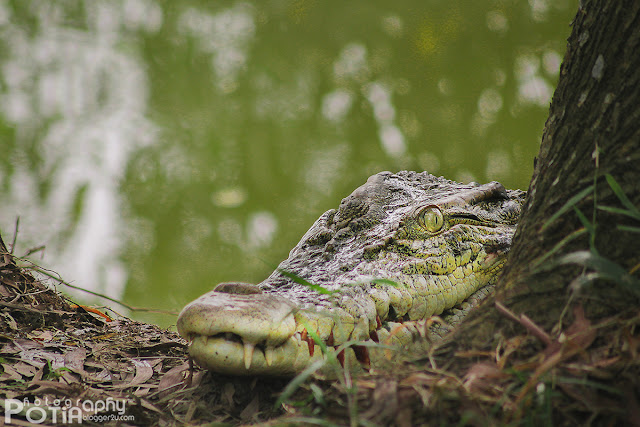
[268,354]
[340,357]
[311,345]
[330,340]
[362,355]
[248,353]
[421,326]
[304,336]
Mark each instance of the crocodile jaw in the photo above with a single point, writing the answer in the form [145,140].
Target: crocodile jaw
[227,324]
[237,332]
[232,357]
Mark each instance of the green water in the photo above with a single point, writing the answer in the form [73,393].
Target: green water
[159,148]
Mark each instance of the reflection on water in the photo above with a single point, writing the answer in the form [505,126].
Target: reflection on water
[225,35]
[74,105]
[169,147]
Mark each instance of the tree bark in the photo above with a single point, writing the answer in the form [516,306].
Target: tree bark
[593,130]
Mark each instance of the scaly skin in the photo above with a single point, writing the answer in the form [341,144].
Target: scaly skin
[400,249]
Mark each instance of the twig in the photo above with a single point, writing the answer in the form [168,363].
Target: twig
[28,308]
[15,234]
[125,305]
[525,321]
[34,250]
[534,329]
[506,312]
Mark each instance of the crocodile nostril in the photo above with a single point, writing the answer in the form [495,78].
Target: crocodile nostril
[237,288]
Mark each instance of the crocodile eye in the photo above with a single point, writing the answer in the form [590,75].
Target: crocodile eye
[431,219]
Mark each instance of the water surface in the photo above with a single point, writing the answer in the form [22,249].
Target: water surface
[159,148]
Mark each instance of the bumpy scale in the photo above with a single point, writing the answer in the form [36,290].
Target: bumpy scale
[401,248]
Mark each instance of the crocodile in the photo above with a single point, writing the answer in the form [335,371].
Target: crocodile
[400,249]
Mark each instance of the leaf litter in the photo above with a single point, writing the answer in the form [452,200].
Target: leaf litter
[586,373]
[54,351]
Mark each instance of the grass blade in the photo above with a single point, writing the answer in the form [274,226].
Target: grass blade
[300,281]
[619,211]
[298,381]
[629,228]
[557,247]
[570,203]
[605,268]
[385,282]
[585,222]
[623,197]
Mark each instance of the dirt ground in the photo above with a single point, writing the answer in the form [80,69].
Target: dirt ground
[62,363]
[72,360]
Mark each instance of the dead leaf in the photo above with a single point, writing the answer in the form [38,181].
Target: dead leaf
[42,336]
[192,410]
[170,381]
[102,376]
[74,360]
[196,378]
[19,345]
[251,409]
[25,369]
[141,392]
[581,333]
[10,374]
[56,359]
[144,371]
[419,378]
[227,392]
[482,376]
[93,311]
[54,387]
[10,321]
[70,378]
[39,373]
[540,370]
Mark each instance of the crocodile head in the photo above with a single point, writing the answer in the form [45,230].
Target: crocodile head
[401,248]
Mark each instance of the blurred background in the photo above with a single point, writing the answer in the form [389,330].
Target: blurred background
[157,148]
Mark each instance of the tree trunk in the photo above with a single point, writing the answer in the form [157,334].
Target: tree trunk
[593,130]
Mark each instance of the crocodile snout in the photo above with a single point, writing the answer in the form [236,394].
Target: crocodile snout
[240,313]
